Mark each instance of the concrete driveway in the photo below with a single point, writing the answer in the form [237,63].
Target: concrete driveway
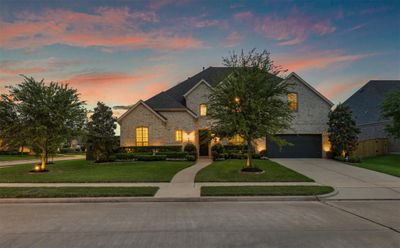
[351,182]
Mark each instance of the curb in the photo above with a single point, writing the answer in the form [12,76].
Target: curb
[153,199]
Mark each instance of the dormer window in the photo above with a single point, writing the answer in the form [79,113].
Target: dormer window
[203,109]
[293,101]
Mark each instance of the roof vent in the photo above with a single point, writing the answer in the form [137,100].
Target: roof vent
[203,68]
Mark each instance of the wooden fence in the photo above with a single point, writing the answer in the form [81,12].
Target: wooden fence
[372,147]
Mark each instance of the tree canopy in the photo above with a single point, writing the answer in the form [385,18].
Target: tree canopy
[391,110]
[343,132]
[101,132]
[43,115]
[251,101]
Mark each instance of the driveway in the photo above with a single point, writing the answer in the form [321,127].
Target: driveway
[202,224]
[351,182]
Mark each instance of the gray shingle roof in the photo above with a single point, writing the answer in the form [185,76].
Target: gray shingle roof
[173,97]
[365,103]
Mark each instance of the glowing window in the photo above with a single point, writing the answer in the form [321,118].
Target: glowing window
[203,109]
[142,136]
[178,135]
[292,100]
[236,140]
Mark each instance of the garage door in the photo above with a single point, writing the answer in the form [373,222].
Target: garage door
[303,146]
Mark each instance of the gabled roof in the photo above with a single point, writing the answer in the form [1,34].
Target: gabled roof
[197,85]
[212,75]
[365,103]
[140,102]
[293,74]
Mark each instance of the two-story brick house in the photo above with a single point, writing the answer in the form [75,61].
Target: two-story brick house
[179,115]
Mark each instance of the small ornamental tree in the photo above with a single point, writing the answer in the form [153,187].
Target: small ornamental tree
[45,114]
[101,132]
[251,101]
[343,132]
[391,110]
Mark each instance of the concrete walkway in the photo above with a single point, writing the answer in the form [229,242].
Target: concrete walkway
[4,164]
[351,182]
[182,184]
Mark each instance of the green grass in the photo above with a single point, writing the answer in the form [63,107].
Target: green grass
[264,190]
[17,192]
[16,157]
[229,171]
[389,164]
[81,171]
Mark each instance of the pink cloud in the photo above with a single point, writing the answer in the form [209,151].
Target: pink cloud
[28,67]
[242,16]
[293,29]
[58,26]
[337,88]
[317,60]
[117,87]
[233,39]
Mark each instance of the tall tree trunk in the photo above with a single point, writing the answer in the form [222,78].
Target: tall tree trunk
[249,162]
[43,160]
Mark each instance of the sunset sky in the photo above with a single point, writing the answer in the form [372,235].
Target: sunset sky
[121,51]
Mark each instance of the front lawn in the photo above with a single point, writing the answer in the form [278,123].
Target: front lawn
[264,190]
[81,171]
[389,164]
[229,171]
[16,157]
[43,192]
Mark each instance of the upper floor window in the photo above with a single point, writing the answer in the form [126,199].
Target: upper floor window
[142,136]
[178,135]
[236,140]
[293,101]
[203,109]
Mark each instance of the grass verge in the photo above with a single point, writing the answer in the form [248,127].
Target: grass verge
[229,171]
[388,164]
[82,171]
[47,192]
[264,190]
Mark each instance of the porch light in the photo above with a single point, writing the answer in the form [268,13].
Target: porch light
[237,100]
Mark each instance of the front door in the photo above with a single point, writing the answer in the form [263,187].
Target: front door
[204,141]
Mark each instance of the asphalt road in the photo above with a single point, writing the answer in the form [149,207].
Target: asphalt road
[202,224]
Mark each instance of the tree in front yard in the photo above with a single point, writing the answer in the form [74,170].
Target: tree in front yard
[391,110]
[101,132]
[251,101]
[46,114]
[343,132]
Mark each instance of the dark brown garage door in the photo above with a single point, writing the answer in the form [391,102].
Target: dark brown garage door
[303,146]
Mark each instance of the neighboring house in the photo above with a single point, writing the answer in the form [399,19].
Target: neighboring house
[179,115]
[365,105]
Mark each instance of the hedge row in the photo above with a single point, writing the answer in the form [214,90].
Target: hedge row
[147,156]
[220,156]
[136,149]
[13,153]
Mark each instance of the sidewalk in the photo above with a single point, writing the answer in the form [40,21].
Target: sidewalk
[4,164]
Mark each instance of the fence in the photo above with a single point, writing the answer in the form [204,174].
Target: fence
[372,147]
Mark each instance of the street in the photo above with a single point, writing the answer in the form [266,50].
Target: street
[202,224]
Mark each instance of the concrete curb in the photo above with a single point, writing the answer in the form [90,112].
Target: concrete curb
[325,196]
[154,199]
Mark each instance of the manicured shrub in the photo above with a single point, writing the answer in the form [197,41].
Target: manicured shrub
[217,151]
[125,156]
[237,156]
[256,156]
[235,148]
[173,154]
[190,158]
[151,157]
[263,153]
[69,150]
[330,155]
[136,149]
[191,149]
[350,159]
